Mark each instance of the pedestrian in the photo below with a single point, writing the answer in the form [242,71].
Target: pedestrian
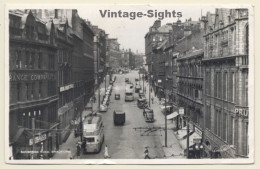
[69,155]
[146,152]
[152,99]
[78,148]
[106,155]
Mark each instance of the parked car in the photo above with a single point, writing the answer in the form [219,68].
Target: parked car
[119,117]
[141,103]
[136,79]
[126,79]
[148,115]
[137,88]
[117,96]
[141,93]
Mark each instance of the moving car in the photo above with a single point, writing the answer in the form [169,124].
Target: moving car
[136,79]
[117,96]
[126,79]
[119,117]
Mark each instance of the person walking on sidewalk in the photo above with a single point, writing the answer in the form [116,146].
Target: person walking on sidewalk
[106,155]
[146,152]
[69,155]
[152,99]
[78,148]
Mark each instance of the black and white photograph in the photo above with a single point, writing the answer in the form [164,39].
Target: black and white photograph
[138,84]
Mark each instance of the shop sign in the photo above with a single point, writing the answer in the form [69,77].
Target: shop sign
[37,139]
[197,140]
[181,111]
[31,76]
[64,88]
[242,112]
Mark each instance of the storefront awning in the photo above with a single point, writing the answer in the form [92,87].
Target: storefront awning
[173,115]
[182,132]
[191,140]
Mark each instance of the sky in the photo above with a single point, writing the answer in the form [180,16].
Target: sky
[130,33]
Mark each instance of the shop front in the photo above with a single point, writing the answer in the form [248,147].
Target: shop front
[215,147]
[23,146]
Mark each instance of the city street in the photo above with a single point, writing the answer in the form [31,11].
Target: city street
[124,142]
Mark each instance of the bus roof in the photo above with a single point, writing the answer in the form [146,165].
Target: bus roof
[92,119]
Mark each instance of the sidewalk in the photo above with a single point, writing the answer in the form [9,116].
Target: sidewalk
[69,147]
[173,149]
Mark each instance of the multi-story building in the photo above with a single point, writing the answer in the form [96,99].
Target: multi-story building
[226,83]
[155,40]
[113,53]
[99,53]
[33,103]
[64,43]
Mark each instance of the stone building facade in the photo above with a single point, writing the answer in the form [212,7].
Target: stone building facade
[225,65]
[33,82]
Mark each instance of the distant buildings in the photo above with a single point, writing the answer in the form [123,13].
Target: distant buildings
[113,53]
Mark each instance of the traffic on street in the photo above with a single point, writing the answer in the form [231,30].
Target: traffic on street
[130,139]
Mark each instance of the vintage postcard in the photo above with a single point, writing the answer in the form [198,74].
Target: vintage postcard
[140,84]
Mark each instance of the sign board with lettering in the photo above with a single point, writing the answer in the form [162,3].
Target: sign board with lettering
[242,111]
[181,111]
[38,139]
[31,76]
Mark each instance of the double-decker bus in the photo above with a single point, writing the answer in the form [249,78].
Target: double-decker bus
[93,133]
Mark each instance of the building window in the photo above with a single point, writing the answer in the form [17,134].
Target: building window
[225,84]
[31,64]
[32,90]
[27,59]
[40,61]
[18,91]
[27,91]
[18,61]
[51,61]
[232,87]
[40,89]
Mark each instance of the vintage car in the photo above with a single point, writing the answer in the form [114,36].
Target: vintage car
[119,117]
[117,96]
[148,114]
[137,88]
[141,103]
[141,93]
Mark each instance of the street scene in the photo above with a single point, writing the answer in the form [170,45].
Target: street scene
[176,88]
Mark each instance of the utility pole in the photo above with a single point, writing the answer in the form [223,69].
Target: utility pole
[33,144]
[165,114]
[188,137]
